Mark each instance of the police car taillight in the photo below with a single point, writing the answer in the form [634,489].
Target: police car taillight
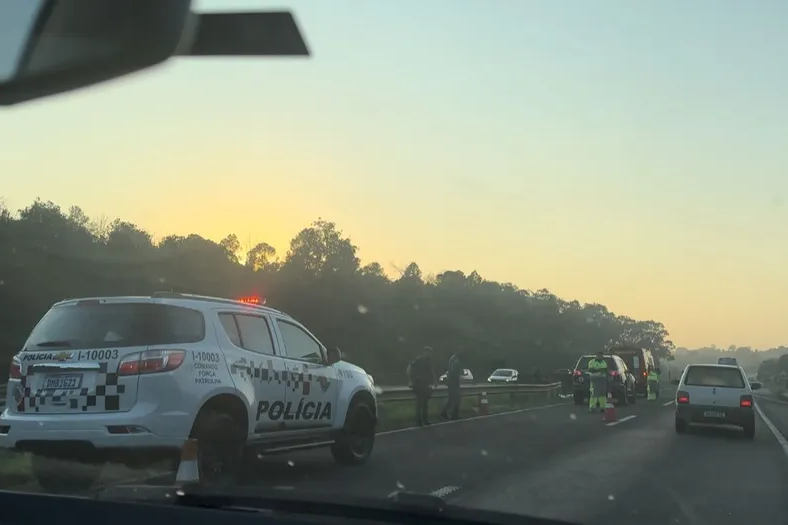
[15,371]
[151,362]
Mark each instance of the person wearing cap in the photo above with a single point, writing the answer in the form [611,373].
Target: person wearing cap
[597,377]
[421,376]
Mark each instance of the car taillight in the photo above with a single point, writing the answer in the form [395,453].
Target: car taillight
[614,373]
[151,362]
[682,398]
[645,374]
[578,373]
[15,371]
[745,401]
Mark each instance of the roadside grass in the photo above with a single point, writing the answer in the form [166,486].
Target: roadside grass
[394,415]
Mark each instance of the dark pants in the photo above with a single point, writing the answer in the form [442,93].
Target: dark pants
[452,408]
[423,394]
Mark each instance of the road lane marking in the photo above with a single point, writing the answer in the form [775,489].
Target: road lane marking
[474,418]
[614,423]
[668,403]
[308,446]
[771,399]
[445,491]
[777,434]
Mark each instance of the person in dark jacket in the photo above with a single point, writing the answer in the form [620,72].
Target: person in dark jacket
[453,376]
[422,378]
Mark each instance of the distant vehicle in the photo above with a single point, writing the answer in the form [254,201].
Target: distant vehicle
[466,377]
[504,375]
[621,382]
[716,395]
[727,361]
[639,361]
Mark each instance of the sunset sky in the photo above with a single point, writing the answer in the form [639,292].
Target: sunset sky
[629,153]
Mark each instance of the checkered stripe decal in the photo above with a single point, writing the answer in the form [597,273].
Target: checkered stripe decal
[294,380]
[106,397]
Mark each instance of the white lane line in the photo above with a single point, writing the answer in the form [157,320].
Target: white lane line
[445,491]
[668,403]
[770,399]
[777,434]
[474,418]
[308,446]
[614,423]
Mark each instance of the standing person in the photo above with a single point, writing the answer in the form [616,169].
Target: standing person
[597,376]
[453,375]
[422,378]
[652,384]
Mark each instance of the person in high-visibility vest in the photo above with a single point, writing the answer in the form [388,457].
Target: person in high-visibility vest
[652,384]
[597,377]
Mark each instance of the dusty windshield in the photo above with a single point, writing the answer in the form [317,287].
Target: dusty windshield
[386,267]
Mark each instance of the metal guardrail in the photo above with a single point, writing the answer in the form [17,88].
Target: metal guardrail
[404,393]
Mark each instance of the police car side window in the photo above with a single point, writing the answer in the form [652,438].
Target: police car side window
[255,334]
[298,343]
[231,329]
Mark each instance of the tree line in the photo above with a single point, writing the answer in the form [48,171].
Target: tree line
[48,253]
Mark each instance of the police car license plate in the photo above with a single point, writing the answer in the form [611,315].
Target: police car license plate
[713,413]
[63,382]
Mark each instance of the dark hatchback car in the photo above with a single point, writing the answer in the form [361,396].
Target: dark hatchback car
[620,381]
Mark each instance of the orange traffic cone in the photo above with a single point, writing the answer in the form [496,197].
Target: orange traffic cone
[610,410]
[188,470]
[483,408]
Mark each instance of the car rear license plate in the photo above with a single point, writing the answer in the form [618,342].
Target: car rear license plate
[63,382]
[713,413]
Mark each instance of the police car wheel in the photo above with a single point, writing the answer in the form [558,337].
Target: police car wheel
[220,447]
[354,444]
[64,477]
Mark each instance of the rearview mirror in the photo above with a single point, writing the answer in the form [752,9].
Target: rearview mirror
[334,355]
[674,381]
[53,46]
[756,385]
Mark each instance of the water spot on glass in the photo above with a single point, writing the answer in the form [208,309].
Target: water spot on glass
[362,309]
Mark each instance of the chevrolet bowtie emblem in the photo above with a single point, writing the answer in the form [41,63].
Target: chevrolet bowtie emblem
[63,356]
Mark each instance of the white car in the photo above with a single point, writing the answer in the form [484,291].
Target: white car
[466,377]
[715,395]
[504,375]
[129,379]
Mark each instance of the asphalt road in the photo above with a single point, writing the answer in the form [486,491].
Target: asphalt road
[563,462]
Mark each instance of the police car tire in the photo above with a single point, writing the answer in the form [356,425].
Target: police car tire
[360,413]
[62,477]
[212,427]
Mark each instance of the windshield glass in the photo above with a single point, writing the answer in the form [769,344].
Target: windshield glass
[714,377]
[116,325]
[503,373]
[276,258]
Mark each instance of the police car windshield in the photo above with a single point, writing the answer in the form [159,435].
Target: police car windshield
[502,373]
[714,376]
[98,325]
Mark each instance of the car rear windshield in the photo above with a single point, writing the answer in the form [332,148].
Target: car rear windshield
[714,376]
[582,364]
[502,373]
[99,325]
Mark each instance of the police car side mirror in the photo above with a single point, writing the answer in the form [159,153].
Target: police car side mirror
[334,355]
[54,46]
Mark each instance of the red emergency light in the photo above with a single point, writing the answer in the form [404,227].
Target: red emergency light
[252,299]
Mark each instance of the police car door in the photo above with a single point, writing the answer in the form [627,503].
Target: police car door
[258,370]
[312,386]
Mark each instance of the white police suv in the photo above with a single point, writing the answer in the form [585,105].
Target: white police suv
[129,379]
